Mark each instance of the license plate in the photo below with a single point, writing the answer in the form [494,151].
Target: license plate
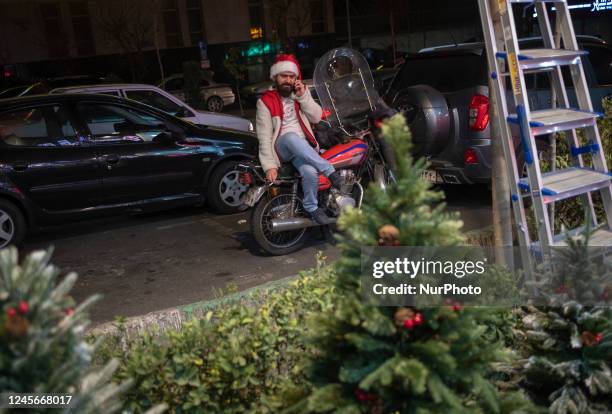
[432,176]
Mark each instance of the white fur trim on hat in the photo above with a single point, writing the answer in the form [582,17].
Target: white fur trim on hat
[283,66]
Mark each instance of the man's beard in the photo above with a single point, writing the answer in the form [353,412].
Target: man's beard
[284,90]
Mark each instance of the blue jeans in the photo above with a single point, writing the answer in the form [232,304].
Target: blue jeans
[294,148]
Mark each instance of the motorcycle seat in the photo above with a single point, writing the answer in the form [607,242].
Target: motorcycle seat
[287,171]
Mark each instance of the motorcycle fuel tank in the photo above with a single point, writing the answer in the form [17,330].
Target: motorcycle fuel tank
[346,155]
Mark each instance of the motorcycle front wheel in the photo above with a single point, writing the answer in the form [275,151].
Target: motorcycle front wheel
[378,174]
[277,207]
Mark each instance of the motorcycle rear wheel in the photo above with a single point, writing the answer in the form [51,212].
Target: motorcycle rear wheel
[275,207]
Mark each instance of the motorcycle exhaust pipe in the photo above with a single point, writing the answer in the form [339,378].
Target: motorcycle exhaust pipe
[295,223]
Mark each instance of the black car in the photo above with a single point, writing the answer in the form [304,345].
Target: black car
[75,156]
[443,92]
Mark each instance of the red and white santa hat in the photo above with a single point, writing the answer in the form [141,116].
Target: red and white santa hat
[285,63]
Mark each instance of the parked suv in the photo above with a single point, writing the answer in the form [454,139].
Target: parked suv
[160,99]
[75,156]
[443,93]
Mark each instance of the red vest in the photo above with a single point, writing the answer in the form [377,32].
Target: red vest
[273,102]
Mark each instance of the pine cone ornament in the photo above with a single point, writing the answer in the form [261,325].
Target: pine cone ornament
[590,339]
[402,315]
[16,327]
[388,235]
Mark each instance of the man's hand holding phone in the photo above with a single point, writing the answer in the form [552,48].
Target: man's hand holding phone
[299,87]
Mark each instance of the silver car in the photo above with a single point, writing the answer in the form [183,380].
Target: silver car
[215,95]
[160,99]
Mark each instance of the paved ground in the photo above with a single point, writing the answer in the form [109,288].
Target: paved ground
[155,261]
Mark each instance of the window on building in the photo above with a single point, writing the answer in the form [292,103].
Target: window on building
[196,23]
[256,13]
[172,24]
[81,25]
[52,26]
[317,16]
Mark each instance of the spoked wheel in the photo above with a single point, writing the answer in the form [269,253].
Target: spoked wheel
[12,224]
[214,104]
[278,207]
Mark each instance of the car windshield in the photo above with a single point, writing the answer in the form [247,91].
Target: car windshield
[12,92]
[446,73]
[155,100]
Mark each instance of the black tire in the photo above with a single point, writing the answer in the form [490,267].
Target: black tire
[295,238]
[12,224]
[214,104]
[224,192]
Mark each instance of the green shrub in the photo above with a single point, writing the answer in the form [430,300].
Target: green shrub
[236,359]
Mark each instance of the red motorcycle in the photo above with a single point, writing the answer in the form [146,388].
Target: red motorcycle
[352,110]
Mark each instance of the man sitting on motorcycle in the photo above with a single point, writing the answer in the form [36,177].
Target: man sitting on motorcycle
[284,115]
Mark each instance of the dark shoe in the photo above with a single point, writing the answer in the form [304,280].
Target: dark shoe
[336,180]
[321,218]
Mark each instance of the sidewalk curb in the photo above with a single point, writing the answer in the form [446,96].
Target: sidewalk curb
[172,318]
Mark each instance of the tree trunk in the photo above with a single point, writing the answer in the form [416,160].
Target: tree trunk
[239,100]
[502,216]
[156,40]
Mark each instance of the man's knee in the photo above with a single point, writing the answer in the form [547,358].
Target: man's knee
[308,172]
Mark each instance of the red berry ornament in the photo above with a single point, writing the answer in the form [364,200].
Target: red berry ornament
[69,312]
[598,337]
[418,319]
[360,395]
[23,307]
[11,312]
[457,307]
[409,323]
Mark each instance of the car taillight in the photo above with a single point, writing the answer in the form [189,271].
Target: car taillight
[479,112]
[245,178]
[470,157]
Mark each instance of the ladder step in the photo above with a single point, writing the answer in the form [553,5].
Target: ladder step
[547,121]
[546,58]
[569,182]
[601,237]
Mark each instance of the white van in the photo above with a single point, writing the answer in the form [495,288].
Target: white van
[162,100]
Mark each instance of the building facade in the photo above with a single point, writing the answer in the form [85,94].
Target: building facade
[123,37]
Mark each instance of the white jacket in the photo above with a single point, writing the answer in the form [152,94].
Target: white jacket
[269,121]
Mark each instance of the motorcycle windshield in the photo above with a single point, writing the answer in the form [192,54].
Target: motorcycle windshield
[344,84]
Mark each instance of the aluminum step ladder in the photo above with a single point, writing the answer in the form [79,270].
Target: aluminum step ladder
[510,64]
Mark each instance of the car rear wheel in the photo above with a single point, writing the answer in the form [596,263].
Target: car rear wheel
[225,192]
[12,224]
[214,104]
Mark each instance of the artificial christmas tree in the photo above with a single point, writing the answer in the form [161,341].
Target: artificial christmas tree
[370,359]
[568,344]
[42,349]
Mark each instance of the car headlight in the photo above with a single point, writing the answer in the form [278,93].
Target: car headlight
[251,129]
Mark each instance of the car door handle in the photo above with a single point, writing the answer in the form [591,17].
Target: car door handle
[111,158]
[20,166]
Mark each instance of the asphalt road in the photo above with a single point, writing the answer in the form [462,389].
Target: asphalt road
[155,261]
